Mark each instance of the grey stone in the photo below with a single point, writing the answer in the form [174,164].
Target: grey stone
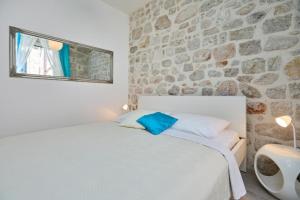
[182,58]
[186,14]
[181,77]
[231,72]
[194,44]
[246,9]
[191,29]
[188,90]
[133,49]
[209,4]
[201,55]
[137,33]
[184,25]
[148,28]
[148,90]
[281,108]
[274,63]
[250,91]
[188,68]
[256,17]
[236,23]
[211,12]
[235,63]
[169,3]
[180,50]
[206,23]
[214,74]
[205,83]
[278,92]
[272,1]
[292,69]
[297,112]
[297,22]
[256,108]
[277,24]
[295,52]
[162,23]
[170,78]
[186,2]
[162,89]
[266,79]
[224,52]
[210,41]
[145,68]
[138,90]
[156,79]
[207,92]
[280,42]
[283,8]
[245,79]
[197,75]
[250,47]
[165,39]
[294,89]
[222,38]
[245,33]
[253,66]
[166,63]
[227,88]
[210,31]
[174,90]
[165,71]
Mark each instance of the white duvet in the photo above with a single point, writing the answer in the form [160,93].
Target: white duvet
[108,162]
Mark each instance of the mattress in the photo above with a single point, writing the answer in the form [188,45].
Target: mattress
[108,162]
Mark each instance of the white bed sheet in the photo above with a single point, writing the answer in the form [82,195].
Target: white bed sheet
[228,138]
[108,162]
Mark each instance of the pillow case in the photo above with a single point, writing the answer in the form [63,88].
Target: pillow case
[203,125]
[130,119]
[157,122]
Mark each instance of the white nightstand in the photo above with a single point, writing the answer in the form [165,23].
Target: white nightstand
[284,184]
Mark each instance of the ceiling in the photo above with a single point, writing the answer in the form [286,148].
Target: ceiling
[126,6]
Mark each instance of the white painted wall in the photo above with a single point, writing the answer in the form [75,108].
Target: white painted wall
[29,105]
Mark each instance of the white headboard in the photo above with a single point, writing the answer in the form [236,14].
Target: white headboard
[231,108]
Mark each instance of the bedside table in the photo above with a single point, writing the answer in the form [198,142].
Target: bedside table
[284,184]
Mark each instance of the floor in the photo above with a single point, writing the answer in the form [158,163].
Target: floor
[254,190]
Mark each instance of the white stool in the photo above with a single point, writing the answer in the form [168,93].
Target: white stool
[284,183]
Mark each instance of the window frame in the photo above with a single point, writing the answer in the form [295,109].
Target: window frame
[12,58]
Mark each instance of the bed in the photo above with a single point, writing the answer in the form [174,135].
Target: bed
[109,162]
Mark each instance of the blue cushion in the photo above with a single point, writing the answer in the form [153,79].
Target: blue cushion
[156,123]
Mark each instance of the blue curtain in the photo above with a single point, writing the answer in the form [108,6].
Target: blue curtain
[18,36]
[64,55]
[22,69]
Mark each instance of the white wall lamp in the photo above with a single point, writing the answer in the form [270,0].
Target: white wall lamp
[285,121]
[125,107]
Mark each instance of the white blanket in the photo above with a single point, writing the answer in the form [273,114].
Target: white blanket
[107,162]
[237,184]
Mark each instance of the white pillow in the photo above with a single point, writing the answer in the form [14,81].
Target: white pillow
[130,118]
[121,117]
[206,126]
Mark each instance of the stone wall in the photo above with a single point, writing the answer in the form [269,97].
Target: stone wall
[222,47]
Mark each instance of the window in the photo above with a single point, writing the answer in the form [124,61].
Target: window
[38,61]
